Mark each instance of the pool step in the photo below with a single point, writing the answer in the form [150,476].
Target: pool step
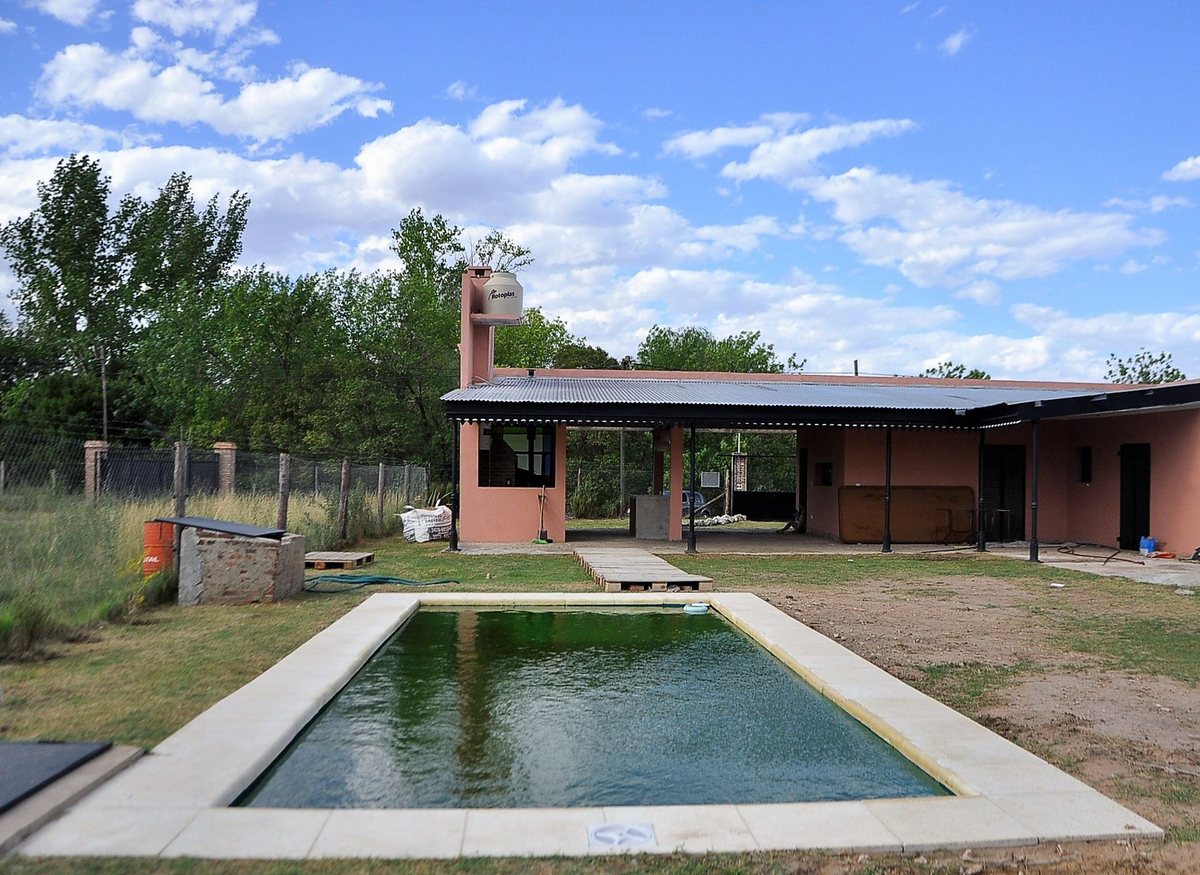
[628,569]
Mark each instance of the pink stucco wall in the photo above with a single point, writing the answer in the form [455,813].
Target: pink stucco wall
[1174,439]
[508,514]
[825,445]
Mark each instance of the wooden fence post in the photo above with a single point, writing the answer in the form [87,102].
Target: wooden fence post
[1,476]
[180,491]
[285,489]
[343,510]
[379,501]
[407,483]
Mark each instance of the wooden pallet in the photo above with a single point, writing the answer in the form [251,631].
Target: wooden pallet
[324,560]
[633,570]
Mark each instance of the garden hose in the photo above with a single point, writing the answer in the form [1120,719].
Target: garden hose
[344,582]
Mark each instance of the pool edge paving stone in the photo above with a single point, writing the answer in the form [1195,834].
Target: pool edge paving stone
[1018,813]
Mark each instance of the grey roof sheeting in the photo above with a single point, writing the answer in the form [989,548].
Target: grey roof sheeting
[757,403]
[738,393]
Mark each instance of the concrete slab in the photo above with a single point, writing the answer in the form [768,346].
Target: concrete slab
[249,833]
[694,829]
[1075,816]
[97,831]
[391,834]
[950,822]
[528,832]
[829,826]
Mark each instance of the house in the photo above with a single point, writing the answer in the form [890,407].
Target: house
[878,459]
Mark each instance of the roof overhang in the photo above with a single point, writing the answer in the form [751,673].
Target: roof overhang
[750,403]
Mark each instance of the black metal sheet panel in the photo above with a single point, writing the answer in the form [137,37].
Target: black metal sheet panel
[224,526]
[28,766]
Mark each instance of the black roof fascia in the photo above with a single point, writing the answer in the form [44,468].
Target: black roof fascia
[1117,401]
[702,416]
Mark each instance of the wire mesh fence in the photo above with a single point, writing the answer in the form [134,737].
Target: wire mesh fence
[29,460]
[220,481]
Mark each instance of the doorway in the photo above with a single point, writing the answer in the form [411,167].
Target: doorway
[1003,492]
[1135,495]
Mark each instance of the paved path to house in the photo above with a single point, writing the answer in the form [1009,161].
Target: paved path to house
[624,568]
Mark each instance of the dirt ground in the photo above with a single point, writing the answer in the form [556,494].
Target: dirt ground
[1134,737]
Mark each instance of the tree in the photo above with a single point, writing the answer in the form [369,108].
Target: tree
[91,280]
[577,354]
[1143,367]
[177,249]
[949,370]
[498,252]
[67,256]
[430,252]
[696,349]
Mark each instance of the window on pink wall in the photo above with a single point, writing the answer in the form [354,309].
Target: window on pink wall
[517,455]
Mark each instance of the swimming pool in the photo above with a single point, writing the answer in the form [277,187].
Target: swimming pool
[176,800]
[558,708]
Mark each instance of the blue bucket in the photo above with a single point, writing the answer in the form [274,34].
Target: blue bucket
[1147,545]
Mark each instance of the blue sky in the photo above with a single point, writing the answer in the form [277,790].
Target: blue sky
[1009,185]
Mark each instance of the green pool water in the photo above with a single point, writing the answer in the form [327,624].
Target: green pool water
[556,708]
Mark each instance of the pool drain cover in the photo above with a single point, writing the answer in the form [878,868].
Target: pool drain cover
[621,835]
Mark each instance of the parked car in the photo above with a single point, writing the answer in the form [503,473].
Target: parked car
[691,499]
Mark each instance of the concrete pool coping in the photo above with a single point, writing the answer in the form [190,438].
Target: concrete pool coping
[175,801]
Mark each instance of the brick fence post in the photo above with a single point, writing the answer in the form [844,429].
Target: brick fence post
[93,452]
[226,465]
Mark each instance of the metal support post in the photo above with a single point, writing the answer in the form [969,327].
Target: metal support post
[887,495]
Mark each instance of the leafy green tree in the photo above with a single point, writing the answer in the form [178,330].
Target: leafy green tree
[1143,367]
[535,343]
[697,349]
[499,252]
[431,253]
[401,358]
[177,249]
[949,370]
[577,354]
[68,258]
[91,280]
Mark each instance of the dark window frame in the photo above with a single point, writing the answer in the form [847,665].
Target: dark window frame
[533,463]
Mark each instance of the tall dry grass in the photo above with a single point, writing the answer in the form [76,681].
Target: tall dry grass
[67,563]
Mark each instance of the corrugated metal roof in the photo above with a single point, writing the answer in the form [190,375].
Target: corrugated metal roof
[747,393]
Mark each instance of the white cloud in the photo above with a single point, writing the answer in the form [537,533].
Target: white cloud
[698,144]
[20,136]
[7,26]
[1130,267]
[954,43]
[788,158]
[936,235]
[460,91]
[656,112]
[1185,171]
[1089,340]
[1155,204]
[75,12]
[88,75]
[220,17]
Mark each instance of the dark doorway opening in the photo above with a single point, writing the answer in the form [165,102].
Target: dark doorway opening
[1135,495]
[1003,492]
